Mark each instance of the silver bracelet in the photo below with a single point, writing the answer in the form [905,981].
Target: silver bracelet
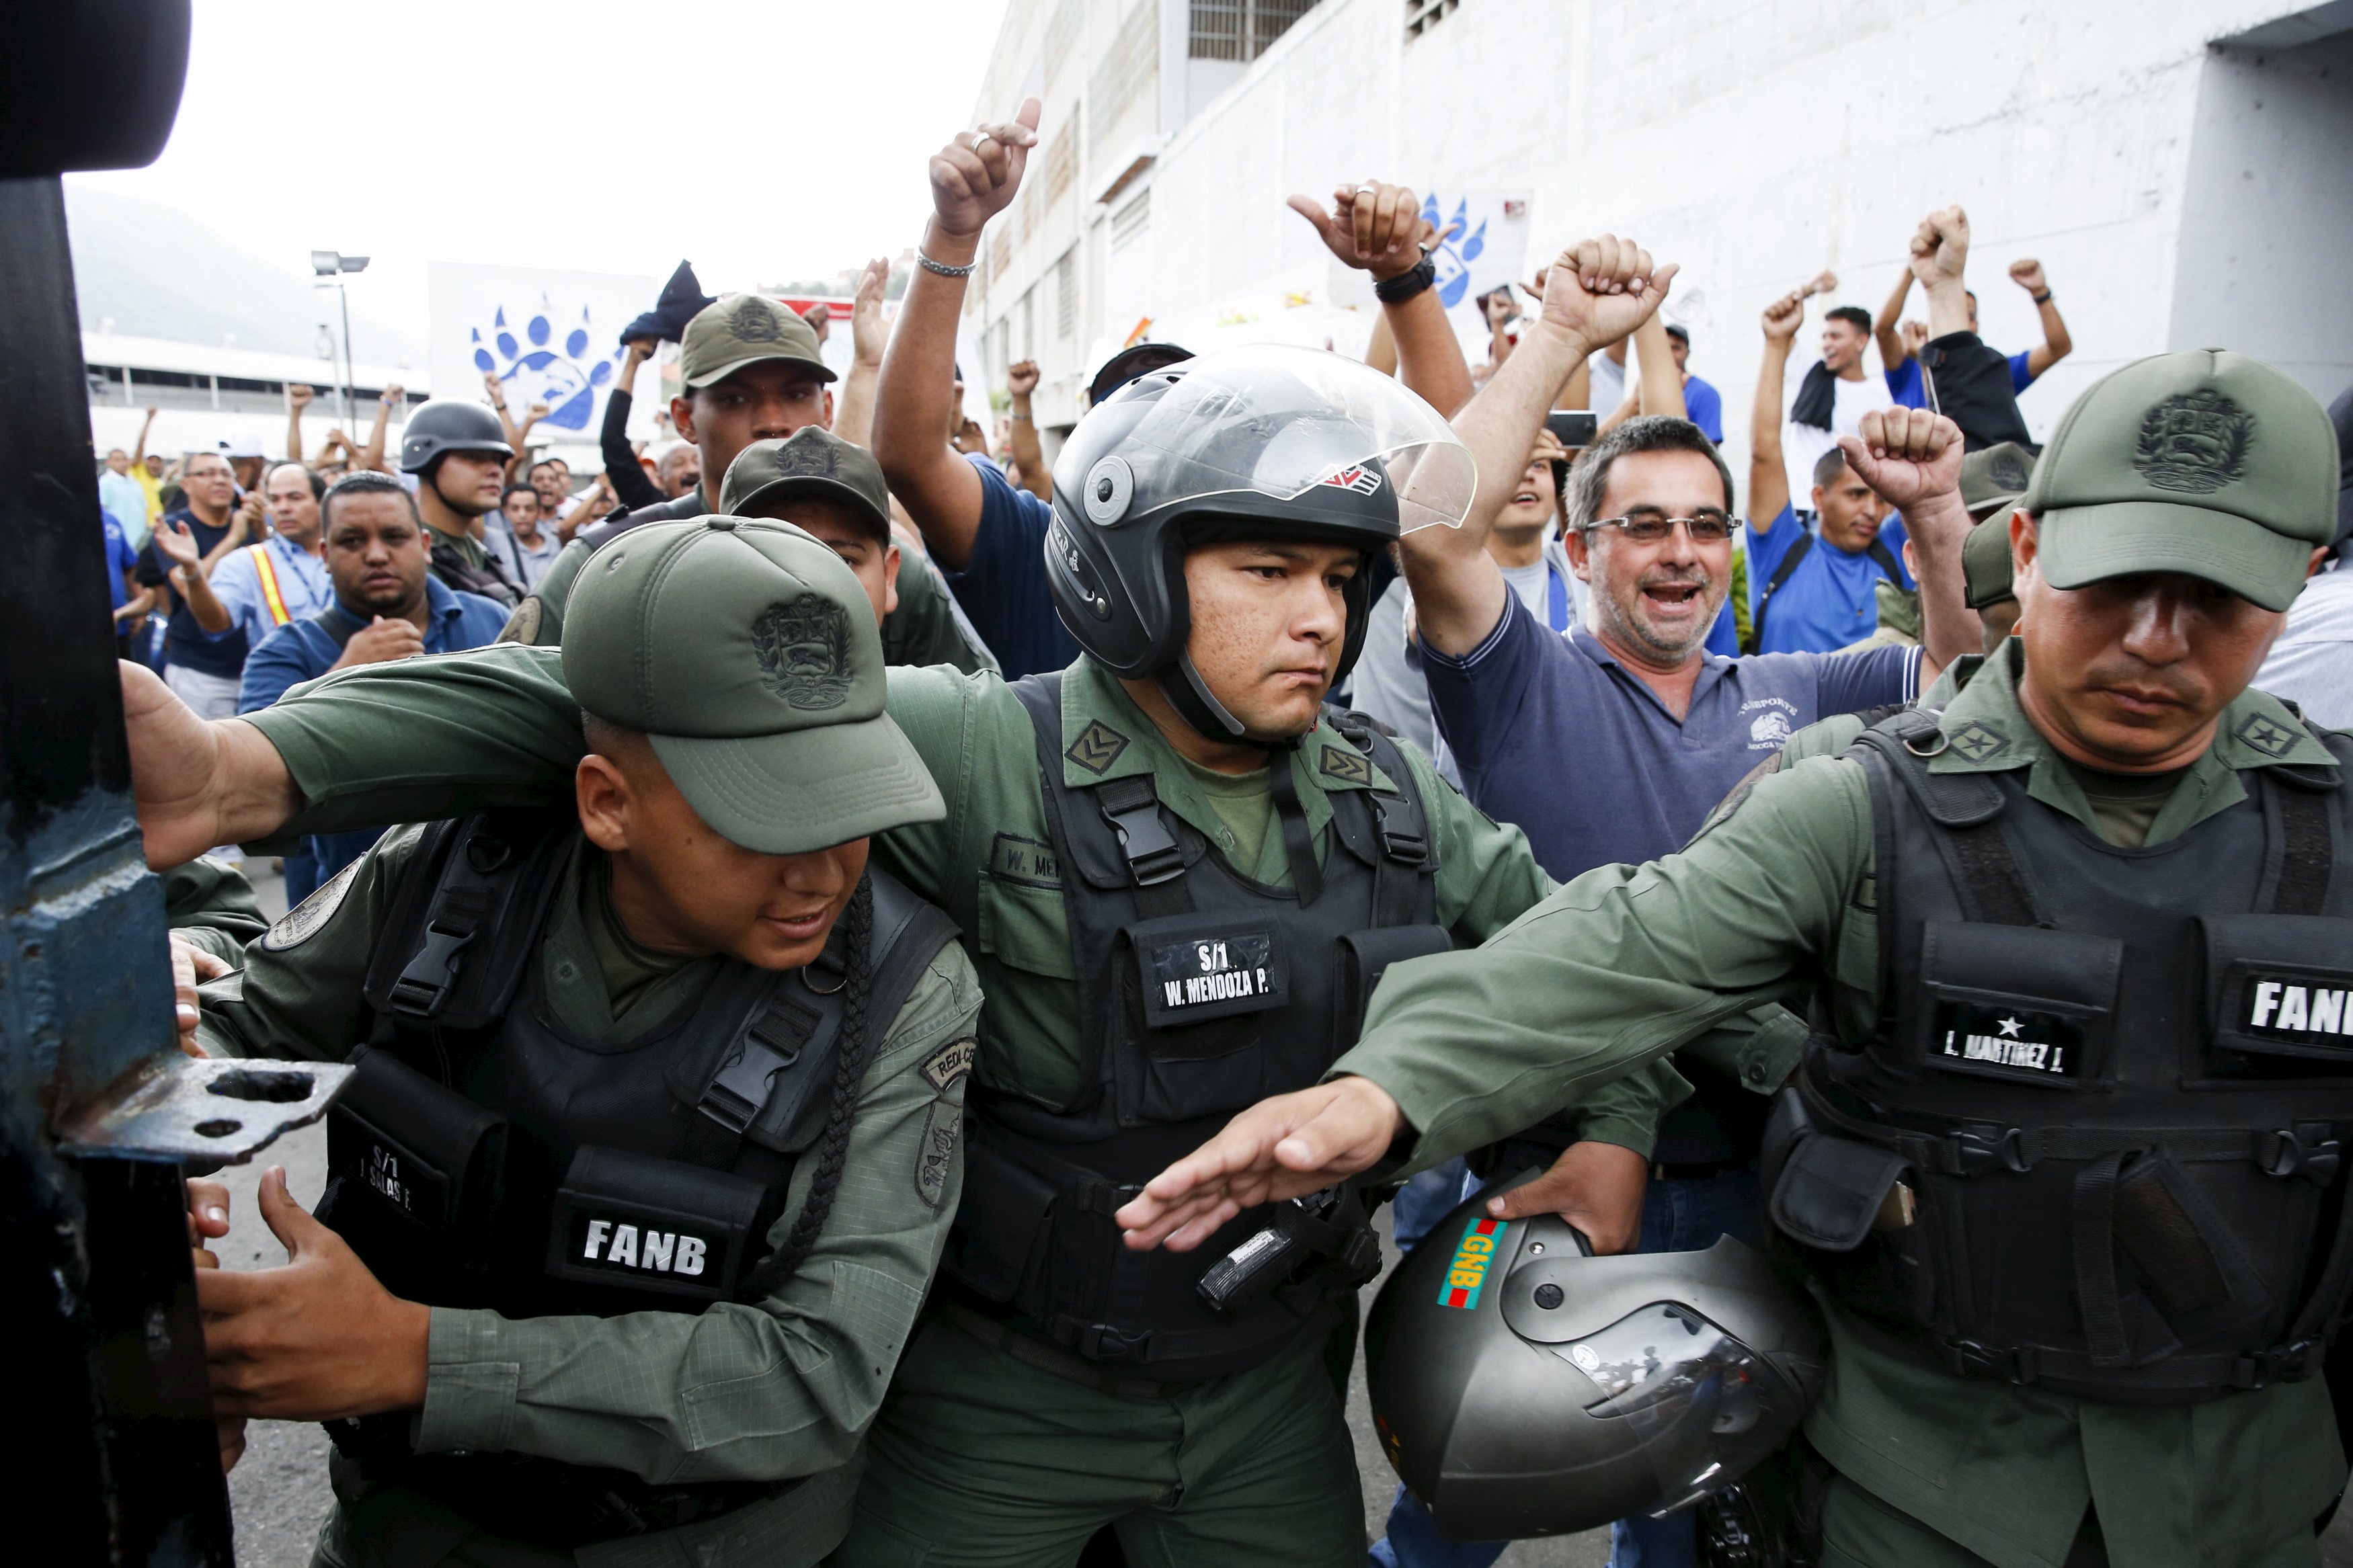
[942,268]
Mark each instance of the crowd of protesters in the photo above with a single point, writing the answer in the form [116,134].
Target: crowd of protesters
[1596,660]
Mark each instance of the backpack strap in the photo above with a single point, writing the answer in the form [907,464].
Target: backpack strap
[1773,584]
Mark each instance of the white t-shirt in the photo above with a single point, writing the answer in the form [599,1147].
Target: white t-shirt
[2312,663]
[1609,385]
[1803,446]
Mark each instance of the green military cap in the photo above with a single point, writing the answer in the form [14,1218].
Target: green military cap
[1984,561]
[2205,462]
[809,462]
[1995,478]
[748,653]
[737,330]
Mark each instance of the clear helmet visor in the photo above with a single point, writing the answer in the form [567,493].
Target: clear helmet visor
[1703,1407]
[1280,421]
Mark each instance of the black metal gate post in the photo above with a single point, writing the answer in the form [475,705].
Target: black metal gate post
[115,1461]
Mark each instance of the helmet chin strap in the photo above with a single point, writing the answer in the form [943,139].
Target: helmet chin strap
[1197,706]
[1191,697]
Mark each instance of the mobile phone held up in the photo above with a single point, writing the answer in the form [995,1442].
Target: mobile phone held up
[1572,427]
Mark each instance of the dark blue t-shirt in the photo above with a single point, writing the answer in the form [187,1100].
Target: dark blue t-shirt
[1003,584]
[1705,407]
[1830,600]
[120,558]
[185,642]
[1552,734]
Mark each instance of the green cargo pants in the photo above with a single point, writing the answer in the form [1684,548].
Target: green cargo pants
[983,1460]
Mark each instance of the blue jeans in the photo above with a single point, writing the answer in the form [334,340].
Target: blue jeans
[1412,1539]
[1684,1216]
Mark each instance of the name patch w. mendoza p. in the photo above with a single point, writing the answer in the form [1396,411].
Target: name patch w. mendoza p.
[1474,1258]
[1192,971]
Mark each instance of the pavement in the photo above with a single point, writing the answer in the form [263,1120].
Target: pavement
[278,1490]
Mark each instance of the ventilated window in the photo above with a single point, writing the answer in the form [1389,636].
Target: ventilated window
[1127,75]
[1241,29]
[1131,220]
[1061,166]
[1420,15]
[1066,293]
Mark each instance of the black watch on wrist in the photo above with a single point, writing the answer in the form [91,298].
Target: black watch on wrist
[1396,290]
[2042,298]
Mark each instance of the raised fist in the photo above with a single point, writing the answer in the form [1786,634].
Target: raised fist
[1783,316]
[1022,377]
[974,176]
[2027,273]
[300,395]
[1940,247]
[1499,307]
[1604,288]
[1905,454]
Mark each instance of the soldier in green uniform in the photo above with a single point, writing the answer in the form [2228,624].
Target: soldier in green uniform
[752,374]
[2063,1162]
[1180,877]
[653,1142]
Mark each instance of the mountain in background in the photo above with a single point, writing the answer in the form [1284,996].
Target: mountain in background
[158,275]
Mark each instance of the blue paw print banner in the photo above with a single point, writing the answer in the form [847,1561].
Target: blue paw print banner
[546,335]
[1486,246]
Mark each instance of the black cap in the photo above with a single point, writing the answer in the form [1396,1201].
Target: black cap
[1125,366]
[1680,334]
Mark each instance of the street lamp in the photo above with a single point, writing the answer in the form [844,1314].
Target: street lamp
[337,266]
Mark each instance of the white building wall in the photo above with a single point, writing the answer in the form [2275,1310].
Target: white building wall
[1757,142]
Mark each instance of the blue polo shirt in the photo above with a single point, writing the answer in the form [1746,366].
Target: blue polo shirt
[301,580]
[1830,600]
[307,649]
[1552,734]
[1705,404]
[1003,584]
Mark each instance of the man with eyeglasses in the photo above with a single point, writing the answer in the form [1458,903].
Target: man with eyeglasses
[1611,742]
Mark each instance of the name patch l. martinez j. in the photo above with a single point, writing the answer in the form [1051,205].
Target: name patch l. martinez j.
[2011,1040]
[943,1067]
[300,923]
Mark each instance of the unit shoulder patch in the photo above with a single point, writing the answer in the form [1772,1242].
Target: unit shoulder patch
[937,1154]
[1097,747]
[305,920]
[522,626]
[1348,767]
[945,1066]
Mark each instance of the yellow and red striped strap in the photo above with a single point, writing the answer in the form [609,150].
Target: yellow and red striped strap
[265,571]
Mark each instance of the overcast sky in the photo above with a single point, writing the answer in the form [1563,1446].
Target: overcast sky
[761,142]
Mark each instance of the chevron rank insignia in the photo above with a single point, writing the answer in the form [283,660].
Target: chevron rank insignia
[1348,767]
[1097,747]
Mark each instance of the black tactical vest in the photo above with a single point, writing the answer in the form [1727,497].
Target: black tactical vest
[2093,1143]
[485,1156]
[1202,992]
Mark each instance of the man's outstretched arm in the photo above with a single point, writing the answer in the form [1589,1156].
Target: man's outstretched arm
[1768,479]
[974,178]
[1617,968]
[1599,290]
[407,742]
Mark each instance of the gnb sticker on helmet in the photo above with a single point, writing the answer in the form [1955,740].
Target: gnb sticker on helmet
[1355,477]
[1474,1255]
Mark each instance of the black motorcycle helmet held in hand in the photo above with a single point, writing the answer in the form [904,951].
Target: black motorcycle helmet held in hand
[1261,443]
[1522,1386]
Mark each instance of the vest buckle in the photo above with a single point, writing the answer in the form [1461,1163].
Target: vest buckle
[426,984]
[2280,1364]
[1132,808]
[1110,1342]
[1970,1359]
[1397,828]
[2305,1150]
[1982,1148]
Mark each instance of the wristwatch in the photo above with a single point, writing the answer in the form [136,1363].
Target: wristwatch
[2042,298]
[1406,284]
